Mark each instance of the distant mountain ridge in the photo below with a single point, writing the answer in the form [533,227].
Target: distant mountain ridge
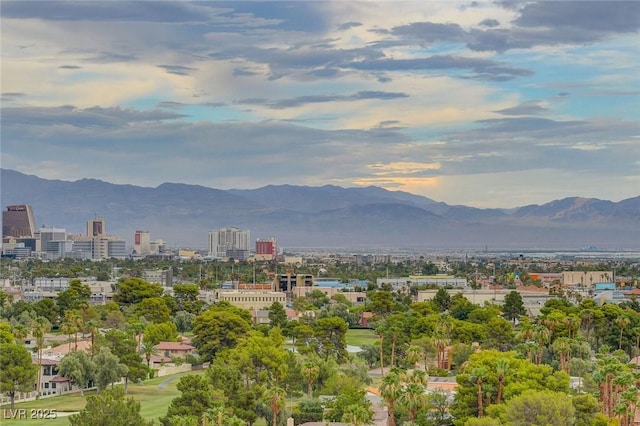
[326,216]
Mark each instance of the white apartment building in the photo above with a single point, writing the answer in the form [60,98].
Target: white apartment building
[228,240]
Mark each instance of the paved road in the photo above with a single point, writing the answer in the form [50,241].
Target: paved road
[164,384]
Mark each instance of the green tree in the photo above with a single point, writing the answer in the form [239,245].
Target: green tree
[109,368]
[518,375]
[358,414]
[184,321]
[381,302]
[135,290]
[513,307]
[124,346]
[7,335]
[79,368]
[414,399]
[196,397]
[331,334]
[47,308]
[391,391]
[310,372]
[241,397]
[162,332]
[153,309]
[442,300]
[17,371]
[277,315]
[186,296]
[75,296]
[540,408]
[350,393]
[215,330]
[110,408]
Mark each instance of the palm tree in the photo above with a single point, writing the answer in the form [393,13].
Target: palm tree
[394,337]
[380,333]
[622,322]
[542,338]
[587,316]
[478,376]
[215,416]
[390,391]
[502,368]
[414,398]
[20,333]
[563,346]
[136,328]
[275,397]
[414,354]
[311,372]
[358,414]
[148,350]
[40,327]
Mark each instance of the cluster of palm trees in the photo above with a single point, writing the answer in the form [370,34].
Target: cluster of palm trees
[400,386]
[618,387]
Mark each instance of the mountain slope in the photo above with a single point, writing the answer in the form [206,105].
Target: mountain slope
[328,216]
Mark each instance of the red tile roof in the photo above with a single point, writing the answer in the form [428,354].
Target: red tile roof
[173,346]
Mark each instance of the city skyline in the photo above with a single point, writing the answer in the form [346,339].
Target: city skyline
[485,104]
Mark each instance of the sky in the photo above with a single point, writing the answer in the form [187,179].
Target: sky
[481,103]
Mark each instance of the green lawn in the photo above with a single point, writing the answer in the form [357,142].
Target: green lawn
[361,336]
[153,402]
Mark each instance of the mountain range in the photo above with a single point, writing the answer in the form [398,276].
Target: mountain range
[326,216]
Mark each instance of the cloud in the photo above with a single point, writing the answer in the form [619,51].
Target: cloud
[302,100]
[491,23]
[69,67]
[525,108]
[177,69]
[82,118]
[482,68]
[349,25]
[104,10]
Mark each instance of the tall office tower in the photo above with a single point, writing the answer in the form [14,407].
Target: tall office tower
[142,242]
[17,221]
[227,241]
[95,227]
[266,247]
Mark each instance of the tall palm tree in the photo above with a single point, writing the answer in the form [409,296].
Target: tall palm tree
[502,368]
[414,398]
[380,333]
[622,322]
[20,333]
[478,377]
[390,391]
[148,350]
[310,371]
[67,330]
[275,397]
[136,328]
[40,327]
[563,346]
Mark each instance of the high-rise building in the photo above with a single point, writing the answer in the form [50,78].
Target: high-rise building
[142,242]
[95,227]
[18,221]
[227,241]
[266,246]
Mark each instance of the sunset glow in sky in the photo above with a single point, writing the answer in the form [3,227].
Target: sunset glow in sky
[482,103]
